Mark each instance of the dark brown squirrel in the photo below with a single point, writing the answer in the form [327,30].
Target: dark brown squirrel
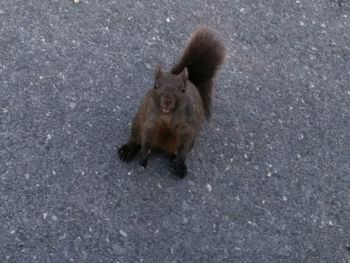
[172,112]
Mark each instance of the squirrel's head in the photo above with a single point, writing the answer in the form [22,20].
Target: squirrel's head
[170,89]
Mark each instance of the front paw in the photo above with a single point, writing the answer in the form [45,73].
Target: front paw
[179,167]
[143,161]
[128,151]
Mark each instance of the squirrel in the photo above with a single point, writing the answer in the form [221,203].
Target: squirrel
[172,112]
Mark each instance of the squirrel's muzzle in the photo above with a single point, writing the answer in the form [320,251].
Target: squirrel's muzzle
[167,103]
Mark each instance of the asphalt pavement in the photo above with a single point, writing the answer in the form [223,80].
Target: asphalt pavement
[269,176]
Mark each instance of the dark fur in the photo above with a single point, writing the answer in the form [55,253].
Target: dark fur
[203,56]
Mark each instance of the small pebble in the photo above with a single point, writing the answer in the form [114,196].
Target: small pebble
[209,188]
[76,1]
[123,233]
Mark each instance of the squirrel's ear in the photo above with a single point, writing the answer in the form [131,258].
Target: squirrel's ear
[184,75]
[158,71]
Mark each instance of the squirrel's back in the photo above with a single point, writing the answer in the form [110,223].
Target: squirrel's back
[202,57]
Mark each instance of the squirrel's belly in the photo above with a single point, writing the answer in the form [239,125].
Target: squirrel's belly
[166,141]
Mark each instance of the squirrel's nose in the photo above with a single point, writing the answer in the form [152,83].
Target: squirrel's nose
[168,99]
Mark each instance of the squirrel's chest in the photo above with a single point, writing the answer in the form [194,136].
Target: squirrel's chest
[166,138]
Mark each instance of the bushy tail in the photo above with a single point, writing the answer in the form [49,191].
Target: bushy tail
[202,56]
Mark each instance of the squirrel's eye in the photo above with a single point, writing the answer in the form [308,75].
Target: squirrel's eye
[183,90]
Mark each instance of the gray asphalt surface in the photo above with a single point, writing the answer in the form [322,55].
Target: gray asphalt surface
[268,178]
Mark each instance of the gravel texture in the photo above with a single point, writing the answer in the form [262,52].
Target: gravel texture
[269,177]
